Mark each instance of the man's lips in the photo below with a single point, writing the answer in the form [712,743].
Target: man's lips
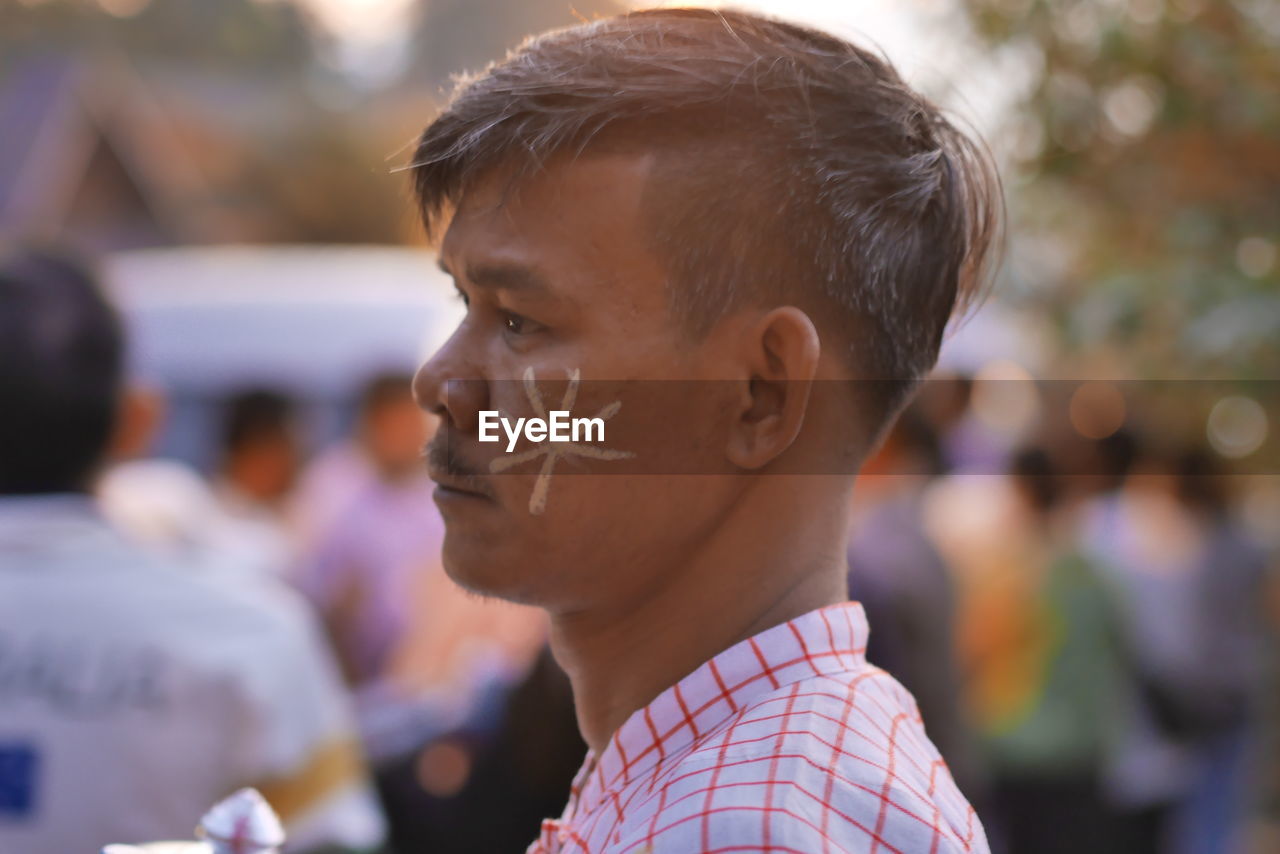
[451,486]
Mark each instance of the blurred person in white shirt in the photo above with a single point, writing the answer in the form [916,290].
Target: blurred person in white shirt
[135,693]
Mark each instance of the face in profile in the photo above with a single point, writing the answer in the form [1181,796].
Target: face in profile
[560,280]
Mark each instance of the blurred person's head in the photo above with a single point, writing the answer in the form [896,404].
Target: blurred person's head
[1115,456]
[1036,479]
[687,194]
[61,374]
[261,451]
[1203,485]
[392,429]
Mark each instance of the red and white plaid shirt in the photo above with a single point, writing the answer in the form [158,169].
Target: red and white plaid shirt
[788,741]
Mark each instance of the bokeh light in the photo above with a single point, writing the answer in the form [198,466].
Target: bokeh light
[1237,426]
[1097,410]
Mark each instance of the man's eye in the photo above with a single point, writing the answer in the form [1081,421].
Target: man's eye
[515,324]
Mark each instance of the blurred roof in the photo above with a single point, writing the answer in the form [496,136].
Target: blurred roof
[84,148]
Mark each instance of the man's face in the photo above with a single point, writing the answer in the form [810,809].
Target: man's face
[559,278]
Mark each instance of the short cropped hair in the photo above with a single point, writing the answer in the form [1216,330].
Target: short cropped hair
[61,369]
[793,167]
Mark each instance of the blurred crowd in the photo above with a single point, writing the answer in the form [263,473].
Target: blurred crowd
[1088,625]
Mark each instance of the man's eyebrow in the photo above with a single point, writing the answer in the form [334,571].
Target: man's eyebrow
[503,276]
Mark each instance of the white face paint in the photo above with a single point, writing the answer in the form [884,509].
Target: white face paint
[554,450]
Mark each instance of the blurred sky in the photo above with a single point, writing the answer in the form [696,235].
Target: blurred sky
[926,39]
[362,19]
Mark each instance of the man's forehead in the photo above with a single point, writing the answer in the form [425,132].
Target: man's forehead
[568,200]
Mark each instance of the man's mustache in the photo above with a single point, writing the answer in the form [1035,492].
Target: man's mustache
[441,454]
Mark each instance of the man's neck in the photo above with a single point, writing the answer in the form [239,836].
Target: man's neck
[747,578]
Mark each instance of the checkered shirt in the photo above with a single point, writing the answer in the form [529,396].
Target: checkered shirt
[789,741]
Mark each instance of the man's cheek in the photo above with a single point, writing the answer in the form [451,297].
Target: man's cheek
[669,427]
[545,432]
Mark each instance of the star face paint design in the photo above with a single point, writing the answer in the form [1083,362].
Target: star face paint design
[553,451]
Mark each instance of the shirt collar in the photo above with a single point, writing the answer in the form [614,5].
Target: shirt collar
[826,641]
[52,521]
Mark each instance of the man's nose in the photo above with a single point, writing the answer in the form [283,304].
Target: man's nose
[450,386]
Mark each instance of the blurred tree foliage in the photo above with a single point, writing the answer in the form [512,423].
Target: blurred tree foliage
[1145,188]
[286,156]
[455,36]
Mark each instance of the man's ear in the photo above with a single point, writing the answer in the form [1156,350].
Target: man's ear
[782,359]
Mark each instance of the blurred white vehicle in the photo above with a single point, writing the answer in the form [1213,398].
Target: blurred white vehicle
[311,321]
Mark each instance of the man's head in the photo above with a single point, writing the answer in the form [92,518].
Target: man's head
[392,429]
[260,445]
[690,195]
[61,358]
